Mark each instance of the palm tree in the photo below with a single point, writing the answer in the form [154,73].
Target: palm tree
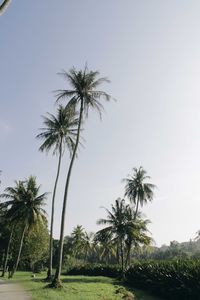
[137,190]
[136,232]
[116,221]
[77,240]
[124,229]
[85,95]
[24,207]
[105,246]
[59,132]
[4,5]
[88,244]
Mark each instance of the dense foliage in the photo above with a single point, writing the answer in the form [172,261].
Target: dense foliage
[113,271]
[169,279]
[176,250]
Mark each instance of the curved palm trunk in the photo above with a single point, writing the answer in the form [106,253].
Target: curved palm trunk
[7,252]
[4,5]
[136,210]
[56,281]
[19,253]
[49,272]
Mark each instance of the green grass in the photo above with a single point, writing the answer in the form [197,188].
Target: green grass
[75,288]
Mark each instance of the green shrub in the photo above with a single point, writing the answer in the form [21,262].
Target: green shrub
[95,270]
[169,279]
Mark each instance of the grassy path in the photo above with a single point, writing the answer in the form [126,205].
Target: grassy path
[75,288]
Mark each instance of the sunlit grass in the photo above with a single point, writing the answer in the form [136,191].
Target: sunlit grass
[74,288]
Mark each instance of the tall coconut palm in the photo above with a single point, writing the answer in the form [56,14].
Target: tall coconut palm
[84,94]
[4,5]
[59,132]
[137,190]
[25,207]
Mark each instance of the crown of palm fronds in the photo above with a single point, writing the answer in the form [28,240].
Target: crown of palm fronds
[137,189]
[23,202]
[59,130]
[84,86]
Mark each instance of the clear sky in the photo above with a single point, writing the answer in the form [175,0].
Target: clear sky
[150,50]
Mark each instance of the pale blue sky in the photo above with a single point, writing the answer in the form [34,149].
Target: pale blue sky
[150,50]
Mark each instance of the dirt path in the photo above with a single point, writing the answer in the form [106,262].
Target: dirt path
[12,291]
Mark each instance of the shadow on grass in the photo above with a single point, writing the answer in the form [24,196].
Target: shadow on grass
[140,294]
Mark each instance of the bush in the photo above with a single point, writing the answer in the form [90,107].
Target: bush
[95,270]
[169,279]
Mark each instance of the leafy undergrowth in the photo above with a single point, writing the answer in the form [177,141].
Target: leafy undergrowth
[77,288]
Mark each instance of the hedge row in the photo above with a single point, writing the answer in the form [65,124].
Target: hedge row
[169,279]
[96,270]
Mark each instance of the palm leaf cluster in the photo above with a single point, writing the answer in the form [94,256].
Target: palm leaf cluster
[24,203]
[137,189]
[59,130]
[84,89]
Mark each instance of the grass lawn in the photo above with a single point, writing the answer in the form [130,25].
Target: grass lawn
[75,288]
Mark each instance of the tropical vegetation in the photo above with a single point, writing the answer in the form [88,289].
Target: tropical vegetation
[59,132]
[82,95]
[122,248]
[23,208]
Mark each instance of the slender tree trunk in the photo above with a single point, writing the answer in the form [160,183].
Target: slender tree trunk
[136,210]
[7,252]
[127,262]
[49,272]
[85,256]
[19,253]
[122,256]
[4,5]
[56,281]
[118,255]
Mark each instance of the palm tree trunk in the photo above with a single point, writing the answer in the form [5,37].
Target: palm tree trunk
[136,210]
[7,252]
[19,253]
[4,5]
[49,272]
[56,281]
[118,253]
[85,256]
[122,257]
[128,255]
